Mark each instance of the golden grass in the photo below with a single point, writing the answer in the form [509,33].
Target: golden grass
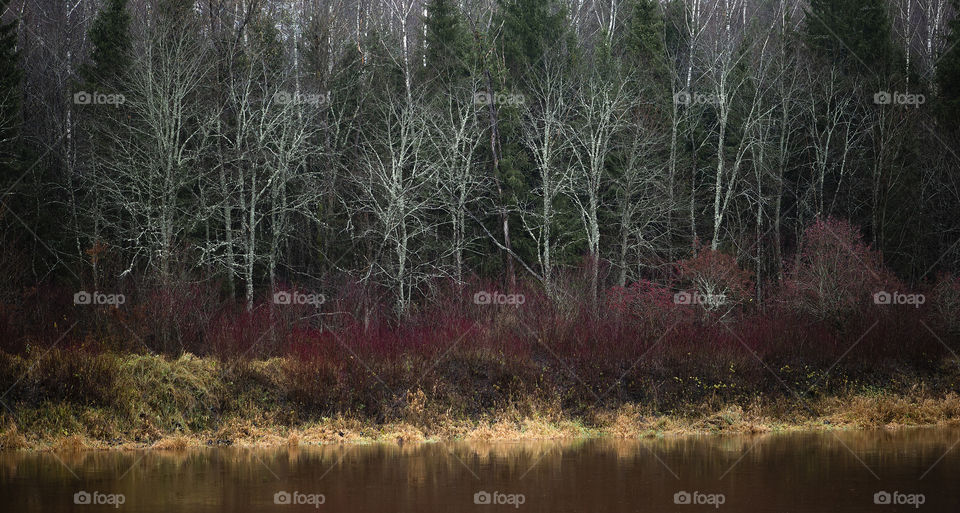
[401,433]
[170,405]
[174,443]
[72,443]
[174,388]
[293,440]
[11,439]
[876,411]
[630,421]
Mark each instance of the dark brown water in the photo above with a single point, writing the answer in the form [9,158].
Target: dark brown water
[844,472]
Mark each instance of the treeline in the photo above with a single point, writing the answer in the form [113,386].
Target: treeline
[258,144]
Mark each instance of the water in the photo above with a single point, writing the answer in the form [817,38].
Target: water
[782,473]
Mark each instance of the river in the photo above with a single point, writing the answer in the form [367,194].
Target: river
[856,471]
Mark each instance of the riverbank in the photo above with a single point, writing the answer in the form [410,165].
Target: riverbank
[628,422]
[75,401]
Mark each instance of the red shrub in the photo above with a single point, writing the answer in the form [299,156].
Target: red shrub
[649,304]
[718,284]
[836,273]
[175,318]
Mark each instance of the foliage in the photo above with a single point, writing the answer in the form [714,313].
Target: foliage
[112,46]
[716,278]
[948,73]
[836,273]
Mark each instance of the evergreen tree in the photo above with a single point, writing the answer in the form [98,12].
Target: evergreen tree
[10,103]
[110,37]
[532,30]
[948,74]
[854,34]
[643,43]
[446,43]
[104,73]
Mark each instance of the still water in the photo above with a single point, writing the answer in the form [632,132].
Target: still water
[883,471]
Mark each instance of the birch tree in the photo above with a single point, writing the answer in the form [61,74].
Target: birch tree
[150,169]
[546,136]
[601,104]
[395,191]
[461,186]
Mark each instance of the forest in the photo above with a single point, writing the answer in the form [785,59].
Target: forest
[377,209]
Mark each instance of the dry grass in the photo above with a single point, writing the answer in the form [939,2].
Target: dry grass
[624,423]
[515,427]
[293,440]
[487,431]
[877,411]
[72,443]
[401,433]
[175,391]
[628,421]
[174,443]
[11,439]
[188,401]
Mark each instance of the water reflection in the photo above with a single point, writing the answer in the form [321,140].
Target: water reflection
[771,472]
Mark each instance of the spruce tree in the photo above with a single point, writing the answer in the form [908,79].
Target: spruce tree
[446,44]
[532,30]
[854,34]
[10,103]
[643,49]
[948,74]
[105,71]
[110,38]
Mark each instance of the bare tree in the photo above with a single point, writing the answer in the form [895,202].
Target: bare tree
[394,191]
[601,105]
[546,135]
[456,139]
[148,175]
